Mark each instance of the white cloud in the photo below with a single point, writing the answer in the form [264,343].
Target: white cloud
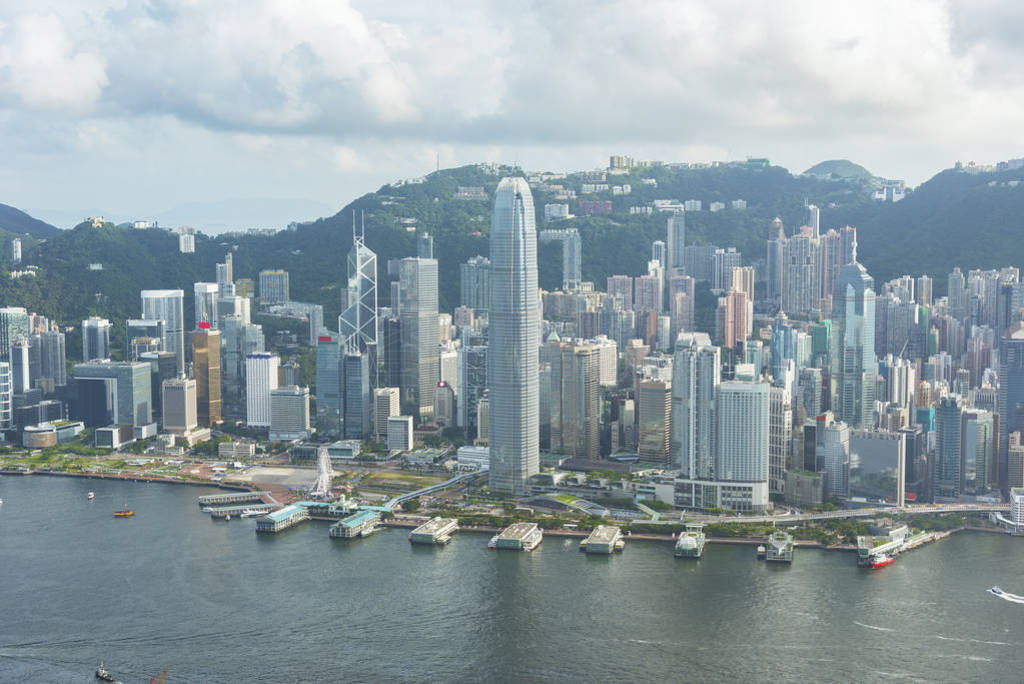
[365,91]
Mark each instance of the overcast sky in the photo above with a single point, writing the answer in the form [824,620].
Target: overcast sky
[137,107]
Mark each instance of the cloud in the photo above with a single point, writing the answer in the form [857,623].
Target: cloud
[373,91]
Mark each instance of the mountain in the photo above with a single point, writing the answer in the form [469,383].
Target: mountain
[15,221]
[956,218]
[840,169]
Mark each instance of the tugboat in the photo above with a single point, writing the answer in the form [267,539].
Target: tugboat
[882,561]
[101,673]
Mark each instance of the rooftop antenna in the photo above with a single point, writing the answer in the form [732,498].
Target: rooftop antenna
[362,214]
[353,225]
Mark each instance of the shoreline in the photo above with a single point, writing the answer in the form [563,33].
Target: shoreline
[132,478]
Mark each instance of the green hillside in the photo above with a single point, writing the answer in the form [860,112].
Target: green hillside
[840,169]
[16,222]
[973,221]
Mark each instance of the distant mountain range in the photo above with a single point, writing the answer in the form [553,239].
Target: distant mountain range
[971,220]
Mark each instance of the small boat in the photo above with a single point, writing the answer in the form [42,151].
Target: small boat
[208,509]
[92,496]
[493,544]
[995,591]
[101,673]
[882,561]
[251,513]
[762,552]
[227,517]
[124,512]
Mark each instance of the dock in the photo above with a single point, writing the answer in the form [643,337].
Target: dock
[690,543]
[605,539]
[232,498]
[281,520]
[435,531]
[358,524]
[522,536]
[236,511]
[779,548]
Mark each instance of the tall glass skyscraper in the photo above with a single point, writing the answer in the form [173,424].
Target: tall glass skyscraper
[168,306]
[358,329]
[854,366]
[513,340]
[420,363]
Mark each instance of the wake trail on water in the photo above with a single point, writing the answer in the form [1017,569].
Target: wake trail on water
[874,627]
[1012,598]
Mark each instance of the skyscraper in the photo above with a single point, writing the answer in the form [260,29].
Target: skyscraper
[260,380]
[95,338]
[53,358]
[206,370]
[574,398]
[425,246]
[357,395]
[854,366]
[274,286]
[741,463]
[329,399]
[1011,391]
[675,241]
[358,322]
[948,471]
[14,325]
[513,338]
[419,336]
[695,375]
[168,306]
[475,283]
[206,295]
[653,439]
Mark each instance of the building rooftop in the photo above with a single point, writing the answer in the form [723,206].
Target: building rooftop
[434,525]
[359,518]
[518,531]
[604,533]
[286,512]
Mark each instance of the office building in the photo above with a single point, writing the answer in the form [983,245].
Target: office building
[978,450]
[357,324]
[116,393]
[328,384]
[95,339]
[21,378]
[385,405]
[1011,390]
[654,398]
[948,472]
[357,395]
[400,433]
[832,454]
[289,413]
[780,437]
[260,381]
[53,365]
[274,287]
[696,369]
[418,336]
[854,366]
[444,404]
[238,340]
[179,405]
[206,298]
[472,381]
[425,246]
[513,340]
[741,444]
[574,398]
[162,366]
[206,357]
[475,283]
[167,306]
[675,243]
[15,325]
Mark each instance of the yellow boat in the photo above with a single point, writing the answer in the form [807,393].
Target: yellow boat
[124,513]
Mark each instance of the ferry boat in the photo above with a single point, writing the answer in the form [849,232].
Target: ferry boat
[882,561]
[779,548]
[124,513]
[101,673]
[690,543]
[493,544]
[92,496]
[251,513]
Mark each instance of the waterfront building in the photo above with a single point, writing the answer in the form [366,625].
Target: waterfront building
[116,393]
[167,306]
[854,366]
[742,428]
[1014,461]
[512,372]
[95,339]
[274,286]
[696,370]
[385,405]
[1011,390]
[289,413]
[418,336]
[260,381]
[400,433]
[948,472]
[179,402]
[206,371]
[206,298]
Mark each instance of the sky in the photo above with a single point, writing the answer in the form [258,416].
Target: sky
[138,108]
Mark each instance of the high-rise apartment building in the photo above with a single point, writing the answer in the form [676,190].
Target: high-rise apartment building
[512,355]
[167,306]
[419,336]
[621,286]
[696,370]
[675,242]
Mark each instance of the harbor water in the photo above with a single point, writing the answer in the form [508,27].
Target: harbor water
[214,602]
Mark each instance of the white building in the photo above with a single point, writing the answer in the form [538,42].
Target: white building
[260,381]
[607,360]
[168,306]
[473,457]
[186,240]
[16,251]
[289,413]
[206,297]
[400,433]
[385,405]
[556,212]
[179,401]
